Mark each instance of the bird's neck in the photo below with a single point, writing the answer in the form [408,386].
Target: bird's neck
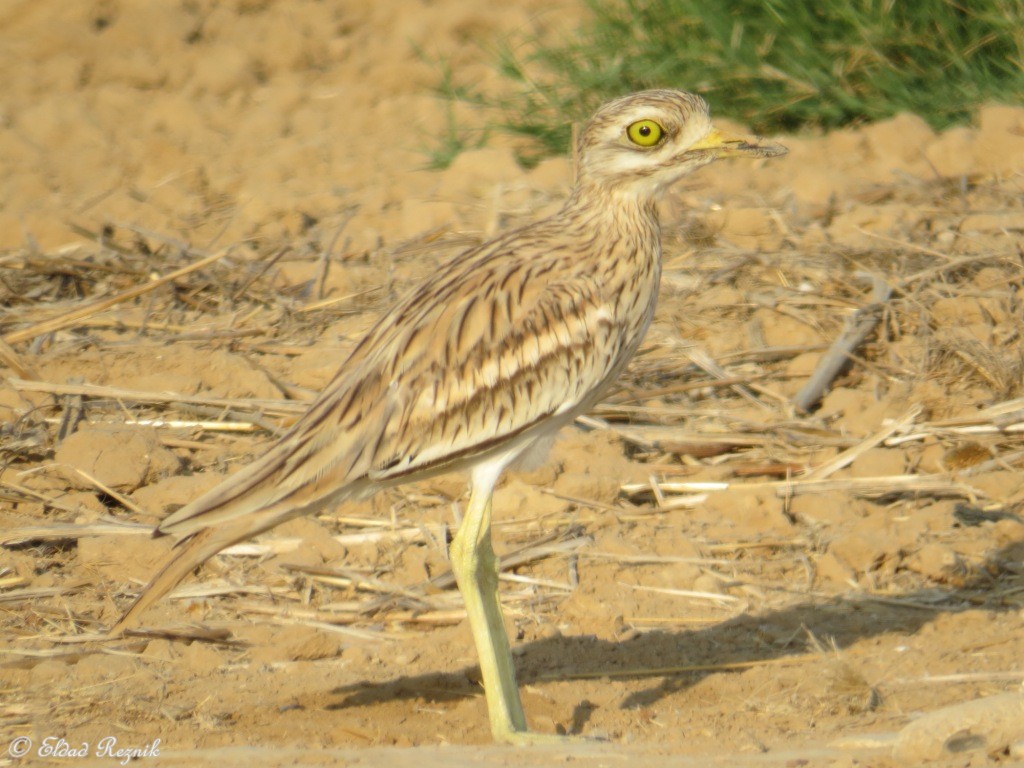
[612,209]
[624,236]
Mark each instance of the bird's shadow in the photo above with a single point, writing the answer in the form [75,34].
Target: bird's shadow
[748,638]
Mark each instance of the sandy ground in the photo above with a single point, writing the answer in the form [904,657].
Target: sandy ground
[701,575]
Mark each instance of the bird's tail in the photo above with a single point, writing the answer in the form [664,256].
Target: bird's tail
[191,552]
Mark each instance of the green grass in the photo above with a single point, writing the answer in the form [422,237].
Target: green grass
[775,65]
[455,138]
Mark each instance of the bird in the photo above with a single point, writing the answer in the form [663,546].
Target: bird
[478,367]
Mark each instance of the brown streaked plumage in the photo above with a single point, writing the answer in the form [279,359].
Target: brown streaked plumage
[510,341]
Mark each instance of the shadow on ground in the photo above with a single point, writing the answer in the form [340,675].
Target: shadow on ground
[748,638]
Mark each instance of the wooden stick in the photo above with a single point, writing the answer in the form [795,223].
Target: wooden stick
[857,328]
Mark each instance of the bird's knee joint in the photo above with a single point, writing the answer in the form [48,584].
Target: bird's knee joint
[477,562]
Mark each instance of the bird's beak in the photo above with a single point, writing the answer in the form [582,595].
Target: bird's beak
[722,144]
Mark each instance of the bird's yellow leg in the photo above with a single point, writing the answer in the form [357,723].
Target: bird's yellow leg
[476,572]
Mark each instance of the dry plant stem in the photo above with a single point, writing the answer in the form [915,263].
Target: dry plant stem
[31,493]
[331,617]
[12,360]
[679,440]
[70,318]
[205,426]
[70,531]
[950,265]
[673,671]
[281,407]
[123,500]
[966,677]
[848,456]
[704,361]
[869,487]
[1005,418]
[35,593]
[856,329]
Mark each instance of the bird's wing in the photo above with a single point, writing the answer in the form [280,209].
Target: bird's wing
[433,386]
[507,342]
[500,366]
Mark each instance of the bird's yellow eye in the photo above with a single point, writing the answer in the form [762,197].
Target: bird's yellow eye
[645,133]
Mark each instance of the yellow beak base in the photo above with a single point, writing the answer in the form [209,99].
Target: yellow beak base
[725,145]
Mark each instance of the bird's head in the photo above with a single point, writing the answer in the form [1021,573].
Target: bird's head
[642,143]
